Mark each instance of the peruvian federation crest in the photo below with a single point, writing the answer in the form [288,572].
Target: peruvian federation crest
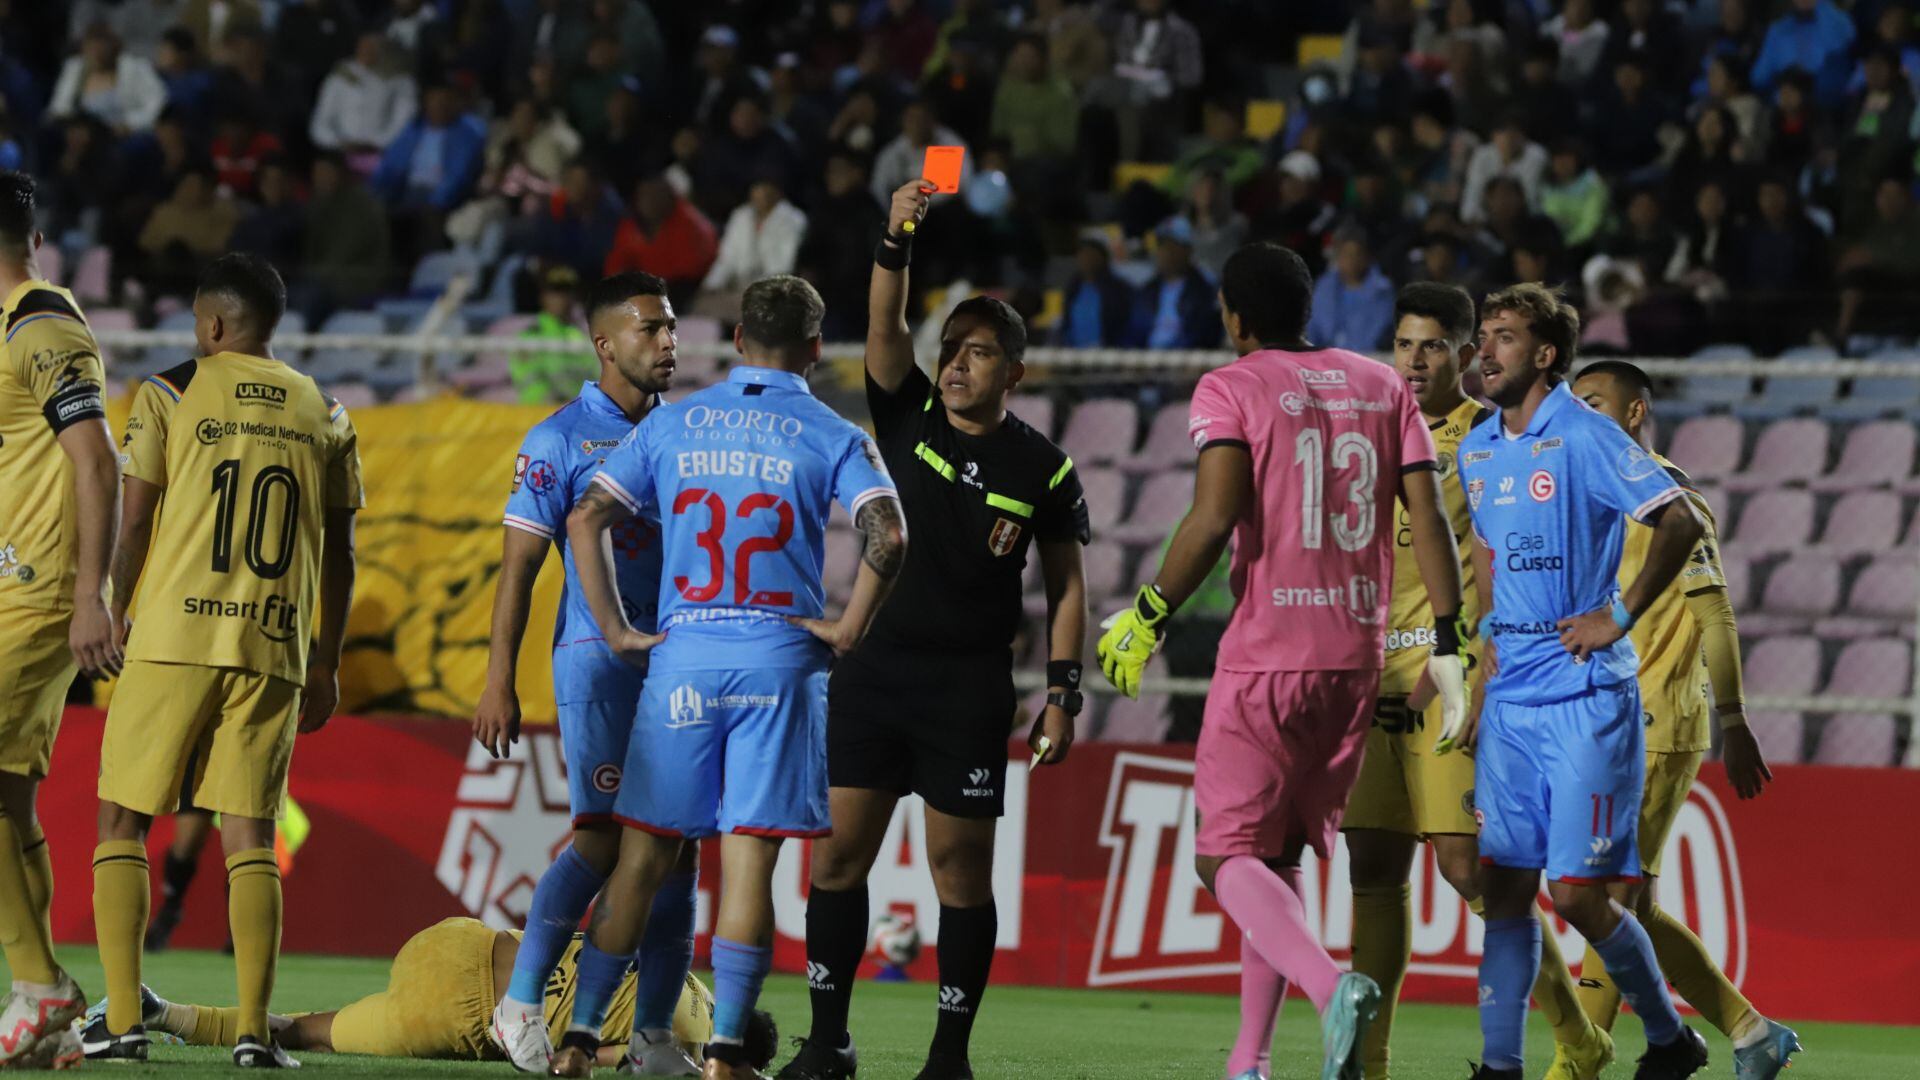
[1003,536]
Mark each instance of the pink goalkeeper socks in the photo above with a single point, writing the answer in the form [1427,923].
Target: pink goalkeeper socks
[1262,989]
[1268,911]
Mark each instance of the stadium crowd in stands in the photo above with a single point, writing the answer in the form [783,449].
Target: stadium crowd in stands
[1695,171]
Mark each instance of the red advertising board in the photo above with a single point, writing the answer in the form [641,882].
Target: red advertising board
[411,822]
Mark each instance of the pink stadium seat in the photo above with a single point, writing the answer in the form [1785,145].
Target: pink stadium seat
[1780,735]
[499,395]
[1863,521]
[486,369]
[1719,502]
[1787,451]
[1779,520]
[112,318]
[354,395]
[1874,667]
[1143,721]
[1106,568]
[1100,431]
[1787,666]
[1163,500]
[1876,454]
[1739,573]
[1035,409]
[1167,445]
[53,263]
[93,276]
[1708,447]
[1105,490]
[1889,587]
[1865,739]
[842,563]
[413,392]
[1804,587]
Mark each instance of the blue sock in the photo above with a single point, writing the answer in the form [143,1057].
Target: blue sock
[559,901]
[1628,954]
[600,975]
[666,953]
[1508,966]
[738,971]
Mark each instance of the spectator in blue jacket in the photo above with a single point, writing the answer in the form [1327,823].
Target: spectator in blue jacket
[1179,308]
[435,160]
[1098,305]
[579,224]
[1815,37]
[1353,303]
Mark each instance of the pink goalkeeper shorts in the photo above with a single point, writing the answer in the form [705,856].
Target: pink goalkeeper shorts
[1279,752]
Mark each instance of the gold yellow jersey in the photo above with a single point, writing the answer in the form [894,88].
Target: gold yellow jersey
[50,380]
[692,1017]
[1410,615]
[252,454]
[1674,691]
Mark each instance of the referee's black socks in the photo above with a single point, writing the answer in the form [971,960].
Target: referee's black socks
[966,958]
[836,939]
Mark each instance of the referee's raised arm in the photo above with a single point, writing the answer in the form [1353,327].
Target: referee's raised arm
[889,343]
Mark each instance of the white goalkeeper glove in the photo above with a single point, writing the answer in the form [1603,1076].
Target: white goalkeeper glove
[1449,676]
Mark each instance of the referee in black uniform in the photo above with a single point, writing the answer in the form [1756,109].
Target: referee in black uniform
[925,704]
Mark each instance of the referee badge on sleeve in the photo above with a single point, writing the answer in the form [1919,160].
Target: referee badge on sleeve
[1004,535]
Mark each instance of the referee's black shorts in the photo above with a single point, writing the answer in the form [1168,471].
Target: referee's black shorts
[931,725]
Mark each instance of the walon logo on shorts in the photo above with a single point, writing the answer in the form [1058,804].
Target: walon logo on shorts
[980,790]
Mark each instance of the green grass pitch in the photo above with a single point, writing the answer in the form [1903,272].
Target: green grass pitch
[1023,1032]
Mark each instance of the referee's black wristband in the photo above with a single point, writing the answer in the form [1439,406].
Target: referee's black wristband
[1064,673]
[1446,635]
[893,253]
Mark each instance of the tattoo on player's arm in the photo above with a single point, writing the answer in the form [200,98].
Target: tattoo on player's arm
[883,536]
[599,503]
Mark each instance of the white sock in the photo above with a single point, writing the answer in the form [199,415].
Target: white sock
[1751,1029]
[35,990]
[511,1003]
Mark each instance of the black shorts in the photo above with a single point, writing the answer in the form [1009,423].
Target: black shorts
[935,727]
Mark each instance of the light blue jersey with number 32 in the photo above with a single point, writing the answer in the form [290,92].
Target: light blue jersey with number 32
[741,477]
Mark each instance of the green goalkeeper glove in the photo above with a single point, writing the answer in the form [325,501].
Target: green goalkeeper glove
[1130,641]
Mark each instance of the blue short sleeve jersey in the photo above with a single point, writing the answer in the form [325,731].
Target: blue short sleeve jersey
[557,461]
[1548,503]
[741,476]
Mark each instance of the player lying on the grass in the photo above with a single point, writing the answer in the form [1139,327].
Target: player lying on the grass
[1689,666]
[1406,792]
[439,1001]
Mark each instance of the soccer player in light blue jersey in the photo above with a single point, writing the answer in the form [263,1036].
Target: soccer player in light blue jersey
[730,738]
[1561,760]
[632,326]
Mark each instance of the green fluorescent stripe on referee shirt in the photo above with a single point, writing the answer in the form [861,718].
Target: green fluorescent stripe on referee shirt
[1065,468]
[1010,505]
[939,464]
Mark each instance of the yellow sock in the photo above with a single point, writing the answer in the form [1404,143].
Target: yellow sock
[1382,947]
[121,897]
[1554,990]
[23,931]
[212,1027]
[1686,964]
[39,875]
[253,916]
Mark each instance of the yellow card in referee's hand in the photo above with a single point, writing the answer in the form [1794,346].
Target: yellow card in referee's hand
[1039,751]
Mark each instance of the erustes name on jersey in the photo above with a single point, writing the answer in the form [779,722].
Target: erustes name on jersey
[766,467]
[275,617]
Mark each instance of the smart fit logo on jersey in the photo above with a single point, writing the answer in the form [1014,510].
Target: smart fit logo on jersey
[254,393]
[12,567]
[1360,596]
[277,618]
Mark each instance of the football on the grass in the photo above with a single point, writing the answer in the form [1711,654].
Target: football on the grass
[896,939]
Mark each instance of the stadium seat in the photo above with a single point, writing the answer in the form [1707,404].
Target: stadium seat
[1708,446]
[1739,574]
[1718,389]
[1781,735]
[1800,391]
[1106,490]
[1167,445]
[1035,409]
[93,276]
[1145,720]
[414,392]
[1788,666]
[158,358]
[484,370]
[1787,451]
[1876,454]
[1264,117]
[1163,500]
[1875,396]
[1881,601]
[1100,431]
[1805,587]
[53,263]
[1864,739]
[1106,569]
[436,270]
[334,363]
[1775,521]
[1718,502]
[354,395]
[1863,522]
[1873,667]
[499,395]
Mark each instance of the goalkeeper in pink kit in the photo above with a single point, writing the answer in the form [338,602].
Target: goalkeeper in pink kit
[1302,451]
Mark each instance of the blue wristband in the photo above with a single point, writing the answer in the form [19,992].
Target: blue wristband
[1621,617]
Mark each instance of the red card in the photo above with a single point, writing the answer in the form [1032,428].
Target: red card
[942,167]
